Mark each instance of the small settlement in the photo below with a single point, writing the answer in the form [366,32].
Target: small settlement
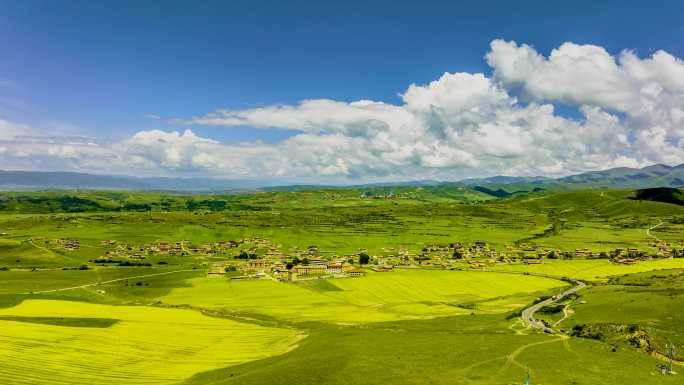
[259,258]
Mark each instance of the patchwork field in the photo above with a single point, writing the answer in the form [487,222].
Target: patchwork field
[402,294]
[60,342]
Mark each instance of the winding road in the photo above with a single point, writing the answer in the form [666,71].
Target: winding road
[528,314]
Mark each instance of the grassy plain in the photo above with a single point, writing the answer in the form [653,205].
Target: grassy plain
[340,222]
[472,350]
[404,327]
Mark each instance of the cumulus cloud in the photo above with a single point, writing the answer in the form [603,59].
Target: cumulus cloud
[630,113]
[588,74]
[649,92]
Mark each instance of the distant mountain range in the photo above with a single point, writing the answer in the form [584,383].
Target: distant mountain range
[500,179]
[500,186]
[38,180]
[658,175]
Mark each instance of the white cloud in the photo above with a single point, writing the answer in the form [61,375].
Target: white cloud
[649,92]
[358,118]
[631,113]
[9,131]
[575,74]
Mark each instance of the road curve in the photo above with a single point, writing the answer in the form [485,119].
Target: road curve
[528,314]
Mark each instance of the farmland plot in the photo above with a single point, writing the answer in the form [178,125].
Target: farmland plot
[63,342]
[402,294]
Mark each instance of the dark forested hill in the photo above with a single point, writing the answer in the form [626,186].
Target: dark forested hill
[661,194]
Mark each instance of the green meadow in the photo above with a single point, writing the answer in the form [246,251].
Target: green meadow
[67,317]
[650,303]
[479,349]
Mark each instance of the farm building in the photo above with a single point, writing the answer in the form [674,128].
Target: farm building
[335,268]
[352,271]
[256,264]
[309,270]
[479,246]
[318,262]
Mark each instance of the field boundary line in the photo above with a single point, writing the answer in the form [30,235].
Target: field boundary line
[648,230]
[511,357]
[110,281]
[44,249]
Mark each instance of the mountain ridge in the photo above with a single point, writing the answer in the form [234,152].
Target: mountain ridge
[657,175]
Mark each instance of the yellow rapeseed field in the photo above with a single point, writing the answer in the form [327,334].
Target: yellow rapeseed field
[148,345]
[402,294]
[594,269]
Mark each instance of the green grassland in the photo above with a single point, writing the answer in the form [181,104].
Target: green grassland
[170,323]
[344,223]
[650,302]
[479,349]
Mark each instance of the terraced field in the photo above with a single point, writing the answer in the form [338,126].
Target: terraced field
[402,294]
[63,342]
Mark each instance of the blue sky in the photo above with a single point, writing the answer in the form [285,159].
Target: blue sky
[106,69]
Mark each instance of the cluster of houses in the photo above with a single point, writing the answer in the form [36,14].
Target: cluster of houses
[478,252]
[282,269]
[62,243]
[667,250]
[390,195]
[170,248]
[68,244]
[259,257]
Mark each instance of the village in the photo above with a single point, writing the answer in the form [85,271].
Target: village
[257,258]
